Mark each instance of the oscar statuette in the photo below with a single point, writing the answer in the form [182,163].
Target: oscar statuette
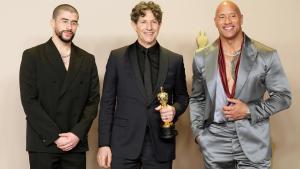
[168,128]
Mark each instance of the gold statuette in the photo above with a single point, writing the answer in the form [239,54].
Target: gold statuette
[167,129]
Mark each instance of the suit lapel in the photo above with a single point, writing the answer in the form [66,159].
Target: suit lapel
[53,56]
[132,55]
[74,67]
[248,58]
[211,69]
[162,72]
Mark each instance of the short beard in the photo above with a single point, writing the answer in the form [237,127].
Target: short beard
[60,36]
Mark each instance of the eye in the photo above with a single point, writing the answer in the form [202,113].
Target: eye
[221,17]
[74,23]
[155,22]
[65,21]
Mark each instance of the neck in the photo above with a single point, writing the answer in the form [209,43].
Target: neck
[147,45]
[232,45]
[63,48]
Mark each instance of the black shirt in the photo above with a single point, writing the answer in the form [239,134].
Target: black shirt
[153,54]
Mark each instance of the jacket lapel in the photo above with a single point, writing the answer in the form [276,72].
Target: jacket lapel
[211,69]
[248,58]
[74,67]
[132,55]
[53,56]
[162,72]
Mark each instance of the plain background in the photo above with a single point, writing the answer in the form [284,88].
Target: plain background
[105,25]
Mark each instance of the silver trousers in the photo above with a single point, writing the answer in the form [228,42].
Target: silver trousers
[221,149]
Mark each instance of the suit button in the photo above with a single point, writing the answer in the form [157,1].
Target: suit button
[54,82]
[44,140]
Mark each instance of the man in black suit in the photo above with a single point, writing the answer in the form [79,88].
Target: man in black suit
[59,87]
[130,116]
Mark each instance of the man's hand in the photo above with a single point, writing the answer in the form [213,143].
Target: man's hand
[67,141]
[236,110]
[167,113]
[104,157]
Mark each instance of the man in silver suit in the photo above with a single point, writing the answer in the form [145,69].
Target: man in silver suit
[229,113]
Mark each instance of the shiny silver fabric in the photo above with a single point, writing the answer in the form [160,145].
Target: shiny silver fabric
[221,149]
[260,71]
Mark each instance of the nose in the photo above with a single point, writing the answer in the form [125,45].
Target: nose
[227,20]
[149,26]
[69,25]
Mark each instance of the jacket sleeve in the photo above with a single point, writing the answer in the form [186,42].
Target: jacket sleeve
[108,102]
[197,100]
[180,95]
[278,89]
[36,116]
[91,108]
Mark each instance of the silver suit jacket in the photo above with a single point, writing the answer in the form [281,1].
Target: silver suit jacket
[260,71]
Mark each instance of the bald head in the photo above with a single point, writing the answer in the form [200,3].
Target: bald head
[229,20]
[227,4]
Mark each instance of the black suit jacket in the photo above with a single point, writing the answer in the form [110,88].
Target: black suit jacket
[125,111]
[56,100]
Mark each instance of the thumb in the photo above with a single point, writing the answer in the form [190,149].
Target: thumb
[63,134]
[233,100]
[158,108]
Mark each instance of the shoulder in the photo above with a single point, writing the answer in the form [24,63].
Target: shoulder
[83,53]
[205,52]
[34,51]
[208,53]
[262,48]
[264,53]
[119,51]
[172,55]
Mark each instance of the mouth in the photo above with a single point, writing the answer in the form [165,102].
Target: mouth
[149,33]
[68,33]
[228,28]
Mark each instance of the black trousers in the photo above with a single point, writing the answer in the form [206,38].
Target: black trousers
[146,160]
[57,161]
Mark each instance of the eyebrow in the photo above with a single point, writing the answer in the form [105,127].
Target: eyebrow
[227,13]
[69,20]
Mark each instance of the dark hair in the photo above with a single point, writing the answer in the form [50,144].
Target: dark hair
[141,7]
[64,7]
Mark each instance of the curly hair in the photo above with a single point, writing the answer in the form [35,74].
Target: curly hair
[141,7]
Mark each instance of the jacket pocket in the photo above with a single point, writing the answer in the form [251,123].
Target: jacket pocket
[121,122]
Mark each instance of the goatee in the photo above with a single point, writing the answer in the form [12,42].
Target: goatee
[60,36]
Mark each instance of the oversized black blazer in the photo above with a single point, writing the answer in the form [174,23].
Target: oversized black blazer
[56,100]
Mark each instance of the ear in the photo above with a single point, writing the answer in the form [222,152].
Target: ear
[134,26]
[215,19]
[52,23]
[242,19]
